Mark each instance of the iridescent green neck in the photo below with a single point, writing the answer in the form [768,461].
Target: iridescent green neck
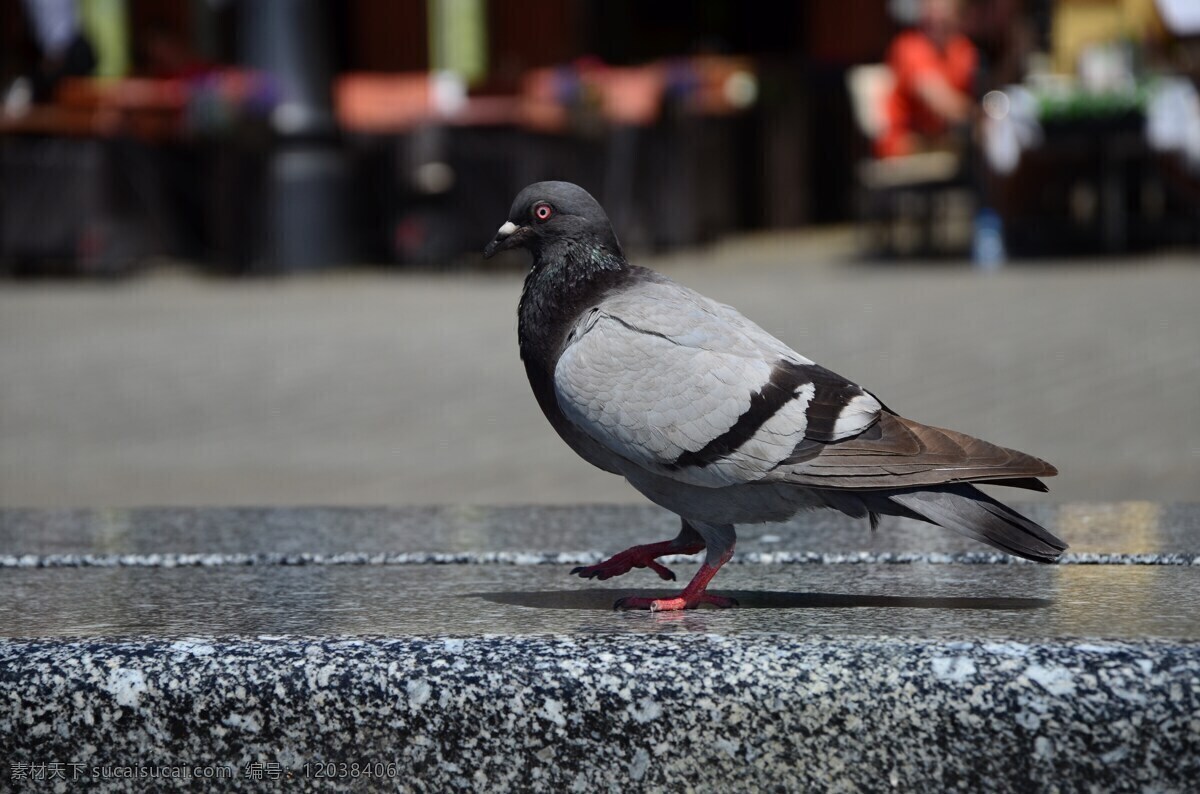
[577,260]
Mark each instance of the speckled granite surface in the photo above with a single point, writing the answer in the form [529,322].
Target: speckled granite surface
[900,661]
[609,713]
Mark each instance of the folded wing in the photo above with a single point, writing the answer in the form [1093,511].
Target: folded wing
[899,453]
[689,389]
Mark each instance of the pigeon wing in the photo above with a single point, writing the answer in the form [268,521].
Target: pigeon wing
[899,453]
[689,389]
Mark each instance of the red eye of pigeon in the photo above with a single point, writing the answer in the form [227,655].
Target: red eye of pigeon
[542,212]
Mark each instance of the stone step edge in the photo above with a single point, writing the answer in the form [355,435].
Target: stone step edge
[645,711]
[209,560]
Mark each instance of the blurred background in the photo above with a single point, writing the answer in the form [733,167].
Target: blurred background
[239,239]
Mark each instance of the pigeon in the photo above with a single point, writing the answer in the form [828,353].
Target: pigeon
[716,420]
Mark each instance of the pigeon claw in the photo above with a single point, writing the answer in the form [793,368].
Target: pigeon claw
[674,604]
[692,596]
[625,561]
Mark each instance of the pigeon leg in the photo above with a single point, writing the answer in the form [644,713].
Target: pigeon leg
[688,541]
[720,541]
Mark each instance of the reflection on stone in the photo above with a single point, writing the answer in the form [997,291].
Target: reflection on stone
[1117,527]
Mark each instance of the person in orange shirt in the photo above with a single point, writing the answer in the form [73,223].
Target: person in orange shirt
[934,66]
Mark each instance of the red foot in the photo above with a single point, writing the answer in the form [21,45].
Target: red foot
[672,604]
[637,557]
[692,596]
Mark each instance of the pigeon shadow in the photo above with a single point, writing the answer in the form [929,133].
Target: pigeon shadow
[758,599]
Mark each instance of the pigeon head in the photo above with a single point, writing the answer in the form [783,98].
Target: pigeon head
[549,214]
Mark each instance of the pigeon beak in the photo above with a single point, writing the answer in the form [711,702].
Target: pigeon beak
[509,235]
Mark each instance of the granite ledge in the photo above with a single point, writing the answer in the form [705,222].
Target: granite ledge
[587,713]
[585,557]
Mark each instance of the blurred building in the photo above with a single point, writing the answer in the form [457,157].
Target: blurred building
[275,134]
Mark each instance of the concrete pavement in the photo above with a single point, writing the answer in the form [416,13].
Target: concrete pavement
[373,388]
